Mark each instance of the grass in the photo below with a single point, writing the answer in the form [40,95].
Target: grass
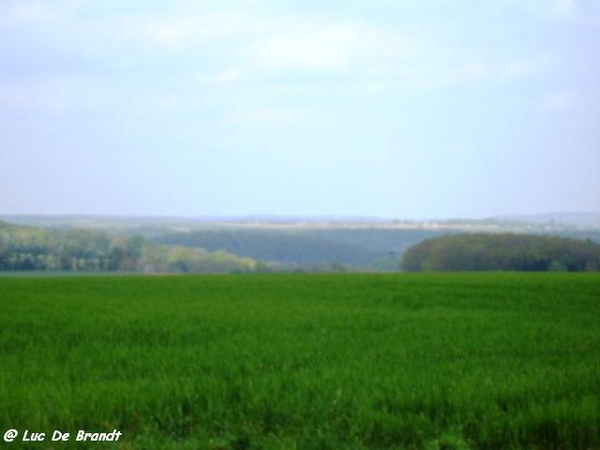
[348,361]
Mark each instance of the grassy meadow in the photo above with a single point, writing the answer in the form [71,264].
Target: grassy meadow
[345,361]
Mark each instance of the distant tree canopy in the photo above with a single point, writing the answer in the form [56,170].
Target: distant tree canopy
[313,249]
[520,252]
[24,248]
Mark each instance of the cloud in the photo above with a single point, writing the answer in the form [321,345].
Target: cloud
[513,69]
[32,11]
[268,46]
[274,116]
[158,60]
[39,11]
[330,47]
[54,97]
[230,76]
[567,10]
[559,102]
[564,9]
[554,10]
[169,33]
[522,68]
[328,50]
[176,31]
[473,71]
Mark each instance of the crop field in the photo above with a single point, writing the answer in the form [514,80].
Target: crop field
[345,361]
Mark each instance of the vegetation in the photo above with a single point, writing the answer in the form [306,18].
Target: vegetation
[503,252]
[25,248]
[415,361]
[155,245]
[372,249]
[152,249]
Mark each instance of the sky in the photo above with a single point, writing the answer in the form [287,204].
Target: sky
[403,109]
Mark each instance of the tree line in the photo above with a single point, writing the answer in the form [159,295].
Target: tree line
[25,248]
[507,251]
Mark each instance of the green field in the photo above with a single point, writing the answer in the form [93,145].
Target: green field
[347,361]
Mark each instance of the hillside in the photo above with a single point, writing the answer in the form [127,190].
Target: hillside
[372,249]
[171,244]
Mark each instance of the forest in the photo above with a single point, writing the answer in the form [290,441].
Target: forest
[161,247]
[27,248]
[310,248]
[506,251]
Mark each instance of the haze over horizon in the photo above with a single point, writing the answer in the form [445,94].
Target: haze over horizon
[396,109]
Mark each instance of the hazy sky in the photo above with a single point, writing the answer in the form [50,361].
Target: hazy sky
[394,108]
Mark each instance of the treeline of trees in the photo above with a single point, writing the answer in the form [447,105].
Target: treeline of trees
[520,252]
[291,248]
[26,248]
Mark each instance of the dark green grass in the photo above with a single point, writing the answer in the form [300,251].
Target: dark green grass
[434,361]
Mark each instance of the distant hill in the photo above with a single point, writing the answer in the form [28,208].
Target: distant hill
[572,220]
[576,219]
[286,243]
[507,251]
[368,249]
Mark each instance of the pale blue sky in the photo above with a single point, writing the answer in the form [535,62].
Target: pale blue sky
[406,109]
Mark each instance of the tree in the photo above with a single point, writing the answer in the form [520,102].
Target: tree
[502,252]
